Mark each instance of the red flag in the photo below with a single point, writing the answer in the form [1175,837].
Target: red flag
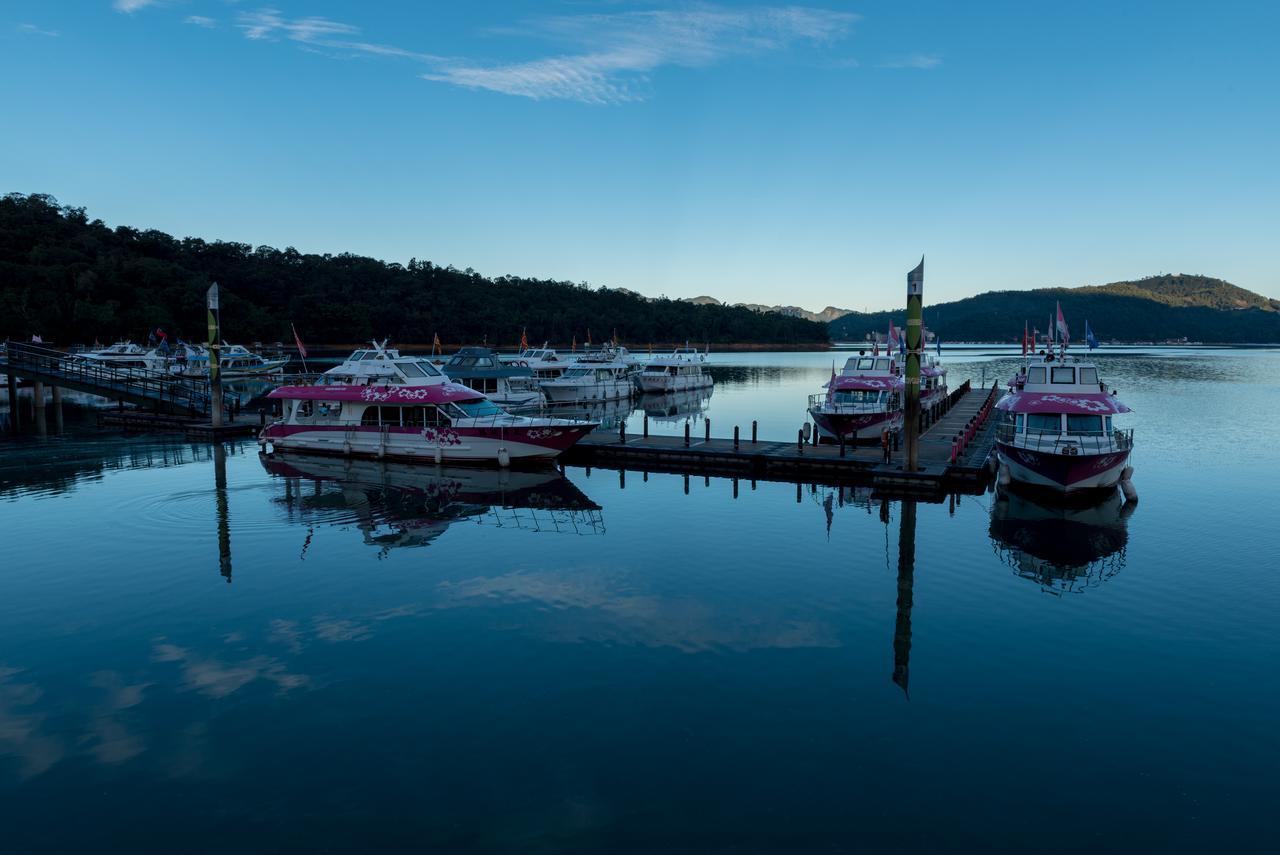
[1062,326]
[302,351]
[524,339]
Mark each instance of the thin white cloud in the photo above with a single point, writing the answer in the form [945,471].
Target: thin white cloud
[32,29]
[270,24]
[922,61]
[200,21]
[131,6]
[614,52]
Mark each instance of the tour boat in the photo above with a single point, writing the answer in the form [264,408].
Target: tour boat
[235,360]
[543,361]
[680,371]
[603,375]
[862,400]
[933,382]
[122,354]
[1056,432]
[506,384]
[381,404]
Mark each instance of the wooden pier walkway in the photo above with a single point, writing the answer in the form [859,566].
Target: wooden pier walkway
[826,463]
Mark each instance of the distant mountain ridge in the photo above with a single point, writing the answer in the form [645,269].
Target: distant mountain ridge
[830,313]
[1157,308]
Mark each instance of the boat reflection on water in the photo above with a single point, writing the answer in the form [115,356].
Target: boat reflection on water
[676,407]
[399,505]
[609,414]
[1064,548]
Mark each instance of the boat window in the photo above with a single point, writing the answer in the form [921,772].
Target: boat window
[1036,374]
[303,410]
[1044,423]
[1108,424]
[882,365]
[427,368]
[330,409]
[1089,376]
[369,354]
[866,363]
[370,417]
[484,362]
[411,369]
[1079,424]
[1064,374]
[479,408]
[1020,423]
[421,416]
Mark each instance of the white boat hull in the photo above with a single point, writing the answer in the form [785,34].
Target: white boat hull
[573,393]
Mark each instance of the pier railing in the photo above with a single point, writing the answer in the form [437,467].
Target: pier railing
[1056,442]
[54,366]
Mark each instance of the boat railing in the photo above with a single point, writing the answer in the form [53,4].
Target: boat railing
[822,400]
[1056,442]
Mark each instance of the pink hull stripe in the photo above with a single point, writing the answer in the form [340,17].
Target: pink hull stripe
[555,437]
[1066,472]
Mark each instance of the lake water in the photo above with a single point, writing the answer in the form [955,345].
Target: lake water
[200,651]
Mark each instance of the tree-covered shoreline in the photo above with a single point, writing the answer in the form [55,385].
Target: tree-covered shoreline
[68,278]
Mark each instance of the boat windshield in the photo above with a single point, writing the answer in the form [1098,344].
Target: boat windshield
[479,408]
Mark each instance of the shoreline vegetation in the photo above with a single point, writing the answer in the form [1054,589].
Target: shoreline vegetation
[67,278]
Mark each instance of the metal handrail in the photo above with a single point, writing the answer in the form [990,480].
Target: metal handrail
[190,394]
[1056,442]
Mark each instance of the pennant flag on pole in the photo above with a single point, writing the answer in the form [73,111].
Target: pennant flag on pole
[1062,326]
[302,351]
[524,339]
[435,343]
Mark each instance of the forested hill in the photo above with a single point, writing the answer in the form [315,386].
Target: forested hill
[71,279]
[1155,309]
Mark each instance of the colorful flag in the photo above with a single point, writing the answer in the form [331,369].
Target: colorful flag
[1089,337]
[937,344]
[893,338]
[435,343]
[524,340]
[1062,326]
[302,351]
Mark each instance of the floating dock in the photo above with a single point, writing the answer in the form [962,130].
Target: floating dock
[954,451]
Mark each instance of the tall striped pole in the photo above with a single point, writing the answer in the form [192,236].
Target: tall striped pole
[915,348]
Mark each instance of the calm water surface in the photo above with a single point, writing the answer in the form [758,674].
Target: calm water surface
[203,651]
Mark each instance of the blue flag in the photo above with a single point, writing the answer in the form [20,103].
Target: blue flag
[1089,337]
[937,344]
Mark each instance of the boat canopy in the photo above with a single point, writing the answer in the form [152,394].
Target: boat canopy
[437,393]
[1088,403]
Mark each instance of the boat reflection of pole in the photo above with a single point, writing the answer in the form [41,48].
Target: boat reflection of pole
[224,525]
[906,581]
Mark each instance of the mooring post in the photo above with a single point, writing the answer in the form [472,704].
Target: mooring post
[686,434]
[800,441]
[13,401]
[707,424]
[735,448]
[646,425]
[915,347]
[622,433]
[753,435]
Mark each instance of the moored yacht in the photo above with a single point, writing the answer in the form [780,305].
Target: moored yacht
[680,371]
[933,382]
[603,375]
[235,360]
[381,404]
[122,354]
[506,384]
[1056,431]
[543,361]
[862,400]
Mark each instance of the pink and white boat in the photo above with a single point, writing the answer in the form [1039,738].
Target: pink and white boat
[862,400]
[381,404]
[1056,431]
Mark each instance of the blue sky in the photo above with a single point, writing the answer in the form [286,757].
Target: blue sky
[804,154]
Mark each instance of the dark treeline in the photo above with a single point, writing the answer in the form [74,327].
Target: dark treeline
[999,316]
[71,279]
